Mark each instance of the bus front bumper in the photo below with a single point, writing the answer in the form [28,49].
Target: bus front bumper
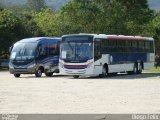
[22,70]
[80,72]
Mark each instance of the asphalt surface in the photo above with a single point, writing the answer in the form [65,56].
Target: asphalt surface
[64,94]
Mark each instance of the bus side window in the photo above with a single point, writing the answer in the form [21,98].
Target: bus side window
[53,49]
[128,46]
[151,47]
[113,46]
[57,49]
[134,46]
[120,45]
[43,51]
[104,46]
[146,46]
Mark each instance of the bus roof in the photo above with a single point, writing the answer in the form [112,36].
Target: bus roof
[81,34]
[36,39]
[123,37]
[112,37]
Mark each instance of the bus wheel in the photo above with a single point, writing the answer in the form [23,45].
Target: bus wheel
[16,75]
[135,69]
[38,72]
[140,68]
[104,72]
[76,76]
[49,74]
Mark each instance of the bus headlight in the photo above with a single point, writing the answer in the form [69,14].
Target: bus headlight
[89,65]
[11,66]
[61,65]
[31,66]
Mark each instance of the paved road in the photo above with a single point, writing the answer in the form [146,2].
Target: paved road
[63,94]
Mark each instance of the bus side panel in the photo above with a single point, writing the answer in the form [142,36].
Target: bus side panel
[150,61]
[150,57]
[49,61]
[114,68]
[105,58]
[148,65]
[98,65]
[122,62]
[120,58]
[97,70]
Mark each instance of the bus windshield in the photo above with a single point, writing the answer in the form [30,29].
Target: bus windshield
[76,51]
[23,51]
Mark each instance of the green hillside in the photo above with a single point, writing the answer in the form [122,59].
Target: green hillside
[56,3]
[154,4]
[51,3]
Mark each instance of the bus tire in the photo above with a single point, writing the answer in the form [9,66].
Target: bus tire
[140,68]
[17,75]
[49,74]
[115,73]
[135,69]
[104,71]
[75,76]
[39,72]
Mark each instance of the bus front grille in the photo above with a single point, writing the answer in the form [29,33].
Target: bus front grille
[76,72]
[21,63]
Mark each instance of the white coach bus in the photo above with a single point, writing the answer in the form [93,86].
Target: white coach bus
[100,54]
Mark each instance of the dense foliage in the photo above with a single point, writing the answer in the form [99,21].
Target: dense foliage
[131,17]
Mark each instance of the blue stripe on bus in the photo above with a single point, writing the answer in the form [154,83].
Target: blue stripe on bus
[127,57]
[53,60]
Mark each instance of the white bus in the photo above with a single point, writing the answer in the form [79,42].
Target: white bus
[100,54]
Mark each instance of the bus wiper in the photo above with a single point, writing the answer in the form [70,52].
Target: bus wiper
[70,45]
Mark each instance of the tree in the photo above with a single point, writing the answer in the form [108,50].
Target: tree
[36,5]
[154,28]
[9,29]
[107,16]
[138,15]
[47,21]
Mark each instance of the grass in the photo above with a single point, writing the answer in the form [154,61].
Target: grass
[153,70]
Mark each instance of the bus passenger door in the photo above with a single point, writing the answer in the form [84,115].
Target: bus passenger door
[97,57]
[97,50]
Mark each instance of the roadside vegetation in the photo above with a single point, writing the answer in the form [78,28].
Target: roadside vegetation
[153,70]
[132,17]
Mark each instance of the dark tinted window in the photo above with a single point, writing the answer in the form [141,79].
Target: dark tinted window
[53,49]
[42,50]
[126,46]
[104,46]
[151,47]
[97,49]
